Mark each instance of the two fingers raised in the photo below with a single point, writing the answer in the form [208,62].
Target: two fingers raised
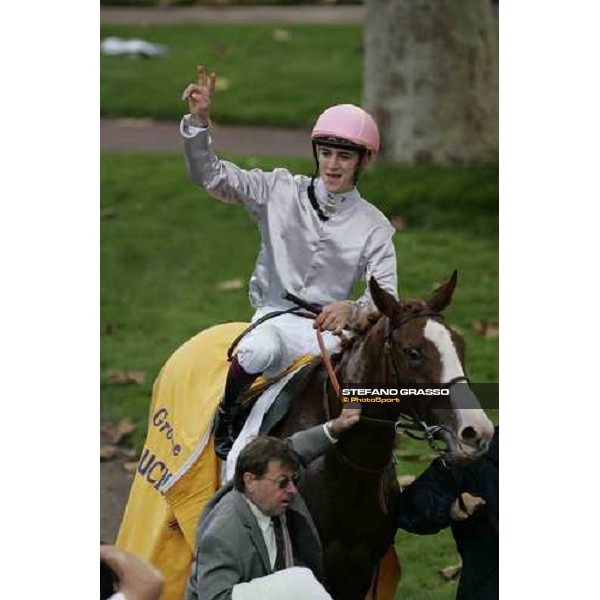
[204,82]
[203,87]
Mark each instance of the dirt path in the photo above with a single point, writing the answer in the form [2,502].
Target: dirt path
[146,135]
[115,482]
[233,14]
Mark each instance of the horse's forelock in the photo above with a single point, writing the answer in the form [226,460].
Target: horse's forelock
[412,305]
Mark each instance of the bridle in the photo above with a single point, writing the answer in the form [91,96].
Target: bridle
[413,425]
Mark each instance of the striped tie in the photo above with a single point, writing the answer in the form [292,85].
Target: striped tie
[285,557]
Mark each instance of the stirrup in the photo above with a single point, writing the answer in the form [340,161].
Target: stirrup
[229,422]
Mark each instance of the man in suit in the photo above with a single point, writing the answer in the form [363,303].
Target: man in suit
[258,524]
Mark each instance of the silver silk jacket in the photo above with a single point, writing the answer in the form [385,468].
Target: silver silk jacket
[318,261]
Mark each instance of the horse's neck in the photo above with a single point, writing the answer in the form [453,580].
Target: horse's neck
[365,361]
[368,444]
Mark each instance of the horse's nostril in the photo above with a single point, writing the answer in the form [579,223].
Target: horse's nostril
[469,434]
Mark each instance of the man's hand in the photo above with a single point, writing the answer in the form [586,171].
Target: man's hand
[198,96]
[334,317]
[471,504]
[138,579]
[347,418]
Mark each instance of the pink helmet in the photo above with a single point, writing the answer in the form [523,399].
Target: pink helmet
[346,122]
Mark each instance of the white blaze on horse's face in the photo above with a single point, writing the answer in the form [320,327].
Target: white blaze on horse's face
[474,429]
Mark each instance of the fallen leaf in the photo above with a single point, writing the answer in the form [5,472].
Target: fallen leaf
[398,222]
[117,431]
[405,480]
[457,329]
[126,377]
[230,284]
[221,49]
[282,35]
[111,328]
[109,214]
[451,572]
[130,467]
[490,330]
[135,123]
[129,452]
[222,84]
[108,452]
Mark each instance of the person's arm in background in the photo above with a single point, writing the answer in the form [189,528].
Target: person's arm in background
[433,501]
[424,506]
[137,579]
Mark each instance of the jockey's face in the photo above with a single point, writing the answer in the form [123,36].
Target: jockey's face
[337,167]
[273,491]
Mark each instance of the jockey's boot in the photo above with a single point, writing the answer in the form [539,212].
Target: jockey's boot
[231,415]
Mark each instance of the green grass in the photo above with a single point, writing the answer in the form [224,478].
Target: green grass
[270,82]
[169,245]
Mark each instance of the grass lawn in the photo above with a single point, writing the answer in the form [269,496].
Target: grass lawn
[167,246]
[268,82]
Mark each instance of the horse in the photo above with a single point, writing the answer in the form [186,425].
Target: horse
[352,490]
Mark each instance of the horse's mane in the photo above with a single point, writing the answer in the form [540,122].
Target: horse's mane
[360,328]
[364,323]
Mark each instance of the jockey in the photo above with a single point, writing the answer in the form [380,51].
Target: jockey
[318,237]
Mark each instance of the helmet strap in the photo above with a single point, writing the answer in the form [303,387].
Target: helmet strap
[316,157]
[361,156]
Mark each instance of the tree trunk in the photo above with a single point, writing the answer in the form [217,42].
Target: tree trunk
[431,79]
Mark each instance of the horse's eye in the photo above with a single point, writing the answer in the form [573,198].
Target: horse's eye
[413,353]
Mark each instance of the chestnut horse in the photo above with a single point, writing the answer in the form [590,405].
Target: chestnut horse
[352,490]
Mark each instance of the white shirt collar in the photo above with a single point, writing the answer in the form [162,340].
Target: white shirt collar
[264,521]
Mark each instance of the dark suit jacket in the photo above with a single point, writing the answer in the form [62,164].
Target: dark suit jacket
[424,508]
[230,547]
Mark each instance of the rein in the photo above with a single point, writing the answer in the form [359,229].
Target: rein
[327,362]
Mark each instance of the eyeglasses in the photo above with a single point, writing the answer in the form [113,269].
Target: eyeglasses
[284,481]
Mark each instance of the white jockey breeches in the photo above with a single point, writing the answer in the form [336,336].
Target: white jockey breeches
[278,342]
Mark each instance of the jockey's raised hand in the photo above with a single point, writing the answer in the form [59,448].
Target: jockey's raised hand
[334,317]
[198,96]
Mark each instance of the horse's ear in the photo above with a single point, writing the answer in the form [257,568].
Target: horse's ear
[442,296]
[384,301]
